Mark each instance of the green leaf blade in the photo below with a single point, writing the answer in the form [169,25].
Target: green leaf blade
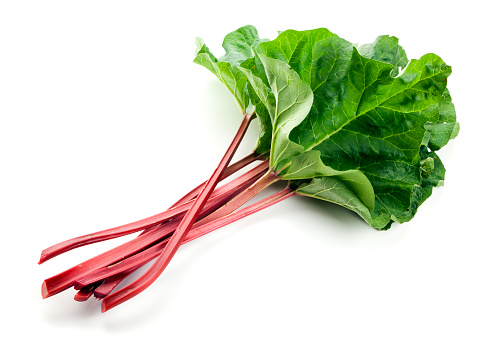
[240,45]
[337,191]
[365,117]
[232,77]
[291,103]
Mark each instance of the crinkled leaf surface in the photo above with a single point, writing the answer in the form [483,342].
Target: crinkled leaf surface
[386,49]
[365,117]
[445,128]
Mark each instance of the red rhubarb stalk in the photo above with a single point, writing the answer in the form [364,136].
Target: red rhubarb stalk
[86,292]
[242,198]
[126,229]
[181,232]
[240,164]
[109,284]
[200,228]
[66,279]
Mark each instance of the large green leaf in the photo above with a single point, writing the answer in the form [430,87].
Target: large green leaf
[364,116]
[288,100]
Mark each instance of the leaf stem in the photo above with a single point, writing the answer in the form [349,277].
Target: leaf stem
[181,232]
[86,292]
[240,164]
[114,274]
[242,198]
[66,279]
[178,208]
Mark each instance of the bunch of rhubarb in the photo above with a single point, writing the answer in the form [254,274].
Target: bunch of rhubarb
[355,126]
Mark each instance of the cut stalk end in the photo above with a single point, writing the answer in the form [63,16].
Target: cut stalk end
[44,290]
[42,258]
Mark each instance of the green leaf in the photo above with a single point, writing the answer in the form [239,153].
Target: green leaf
[290,105]
[432,175]
[347,125]
[228,74]
[309,165]
[302,50]
[232,69]
[335,190]
[239,46]
[364,117]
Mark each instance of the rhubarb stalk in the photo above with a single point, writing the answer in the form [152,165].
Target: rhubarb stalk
[181,232]
[66,279]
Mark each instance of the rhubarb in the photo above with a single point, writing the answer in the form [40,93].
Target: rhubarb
[354,125]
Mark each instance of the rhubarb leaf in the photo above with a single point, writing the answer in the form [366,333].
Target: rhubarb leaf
[231,70]
[305,53]
[337,190]
[309,165]
[356,115]
[228,74]
[363,116]
[240,45]
[291,103]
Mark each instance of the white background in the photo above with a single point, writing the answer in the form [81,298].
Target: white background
[106,120]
